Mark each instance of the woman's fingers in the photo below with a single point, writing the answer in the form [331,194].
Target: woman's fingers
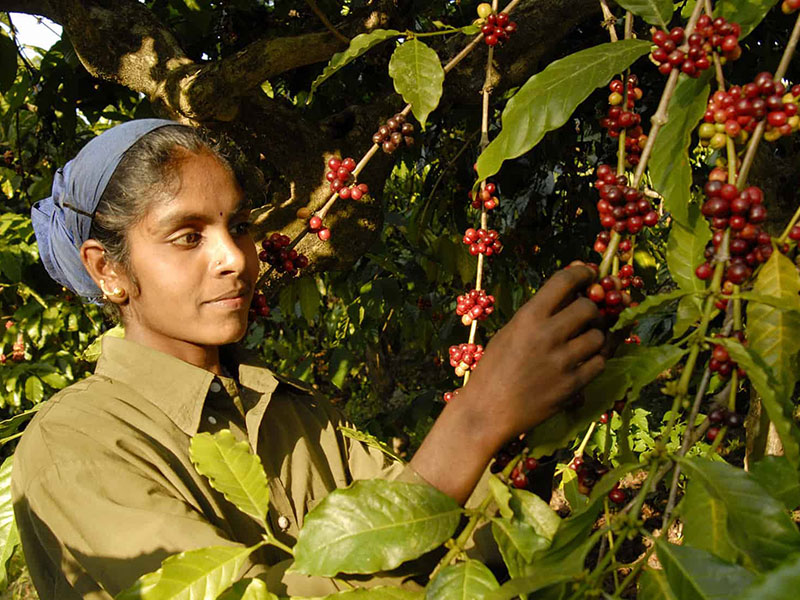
[588,371]
[584,347]
[574,318]
[560,287]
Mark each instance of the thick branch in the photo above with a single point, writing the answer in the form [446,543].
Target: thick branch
[41,8]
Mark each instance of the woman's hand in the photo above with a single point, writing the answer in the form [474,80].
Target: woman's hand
[547,352]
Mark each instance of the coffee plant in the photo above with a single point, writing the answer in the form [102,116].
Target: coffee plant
[650,507]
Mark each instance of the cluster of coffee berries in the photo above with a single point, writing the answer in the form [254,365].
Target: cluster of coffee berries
[589,473]
[610,295]
[624,250]
[18,349]
[622,208]
[315,226]
[259,307]
[741,108]
[624,118]
[721,362]
[519,474]
[276,254]
[790,6]
[475,305]
[709,35]
[342,181]
[393,134]
[497,28]
[485,198]
[749,245]
[464,357]
[482,241]
[722,416]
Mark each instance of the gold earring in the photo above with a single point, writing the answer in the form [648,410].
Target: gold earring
[116,293]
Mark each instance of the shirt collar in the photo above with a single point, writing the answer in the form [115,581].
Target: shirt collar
[175,386]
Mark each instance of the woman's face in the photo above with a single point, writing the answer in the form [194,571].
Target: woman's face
[195,263]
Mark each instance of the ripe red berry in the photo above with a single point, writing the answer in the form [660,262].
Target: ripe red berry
[349,164]
[617,496]
[314,223]
[324,234]
[704,271]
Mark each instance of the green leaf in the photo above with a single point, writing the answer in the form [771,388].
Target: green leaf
[12,425]
[758,524]
[309,297]
[232,470]
[358,46]
[92,352]
[192,575]
[418,76]
[785,303]
[369,440]
[8,62]
[534,511]
[695,574]
[779,478]
[341,360]
[650,305]
[34,389]
[502,496]
[748,13]
[653,585]
[685,247]
[779,584]
[9,536]
[655,12]
[470,580]
[248,589]
[774,335]
[373,525]
[376,593]
[55,380]
[550,97]
[705,523]
[517,542]
[669,164]
[689,312]
[565,557]
[632,371]
[777,402]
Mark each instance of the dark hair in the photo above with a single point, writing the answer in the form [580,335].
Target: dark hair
[147,172]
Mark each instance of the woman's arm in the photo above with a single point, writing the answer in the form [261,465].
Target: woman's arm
[545,354]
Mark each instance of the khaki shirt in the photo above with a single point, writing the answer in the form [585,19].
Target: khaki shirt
[104,490]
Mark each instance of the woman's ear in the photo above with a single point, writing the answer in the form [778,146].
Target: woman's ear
[106,274]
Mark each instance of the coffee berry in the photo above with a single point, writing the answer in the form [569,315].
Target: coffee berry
[464,357]
[482,241]
[485,198]
[259,307]
[692,55]
[475,305]
[621,207]
[497,29]
[395,132]
[276,254]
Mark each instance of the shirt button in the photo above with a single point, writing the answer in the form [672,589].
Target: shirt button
[283,523]
[212,420]
[215,386]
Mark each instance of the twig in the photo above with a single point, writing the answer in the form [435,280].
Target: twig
[609,20]
[324,20]
[790,226]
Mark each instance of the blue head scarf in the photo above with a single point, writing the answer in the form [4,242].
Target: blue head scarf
[62,221]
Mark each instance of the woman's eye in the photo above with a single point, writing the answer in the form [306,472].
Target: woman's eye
[188,239]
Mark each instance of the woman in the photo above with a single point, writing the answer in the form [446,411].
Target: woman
[151,219]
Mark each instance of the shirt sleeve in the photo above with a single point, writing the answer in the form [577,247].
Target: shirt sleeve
[102,526]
